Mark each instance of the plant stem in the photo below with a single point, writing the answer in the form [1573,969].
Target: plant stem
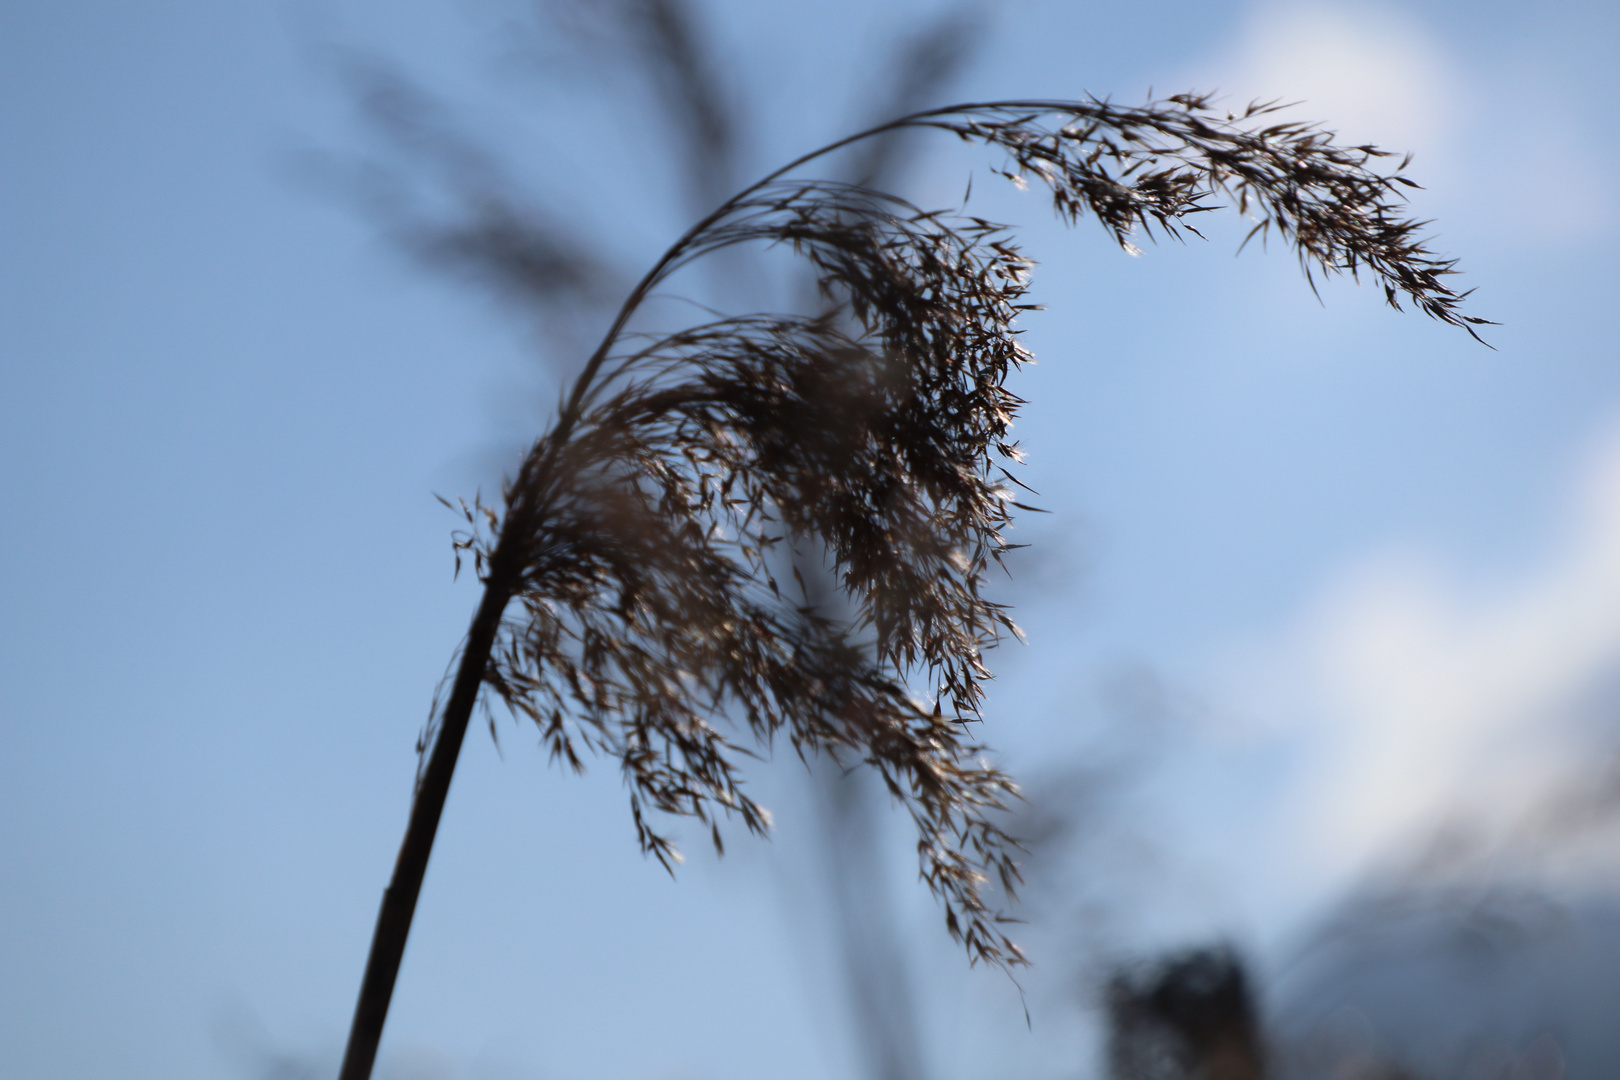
[399,899]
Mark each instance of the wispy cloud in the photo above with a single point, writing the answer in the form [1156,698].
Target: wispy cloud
[1422,705]
[1372,73]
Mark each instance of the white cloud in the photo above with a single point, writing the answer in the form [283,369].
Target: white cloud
[1373,74]
[1427,705]
[1367,72]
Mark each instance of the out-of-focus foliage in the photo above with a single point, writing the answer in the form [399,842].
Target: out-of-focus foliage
[1187,1017]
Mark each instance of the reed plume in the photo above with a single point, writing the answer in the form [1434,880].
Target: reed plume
[638,601]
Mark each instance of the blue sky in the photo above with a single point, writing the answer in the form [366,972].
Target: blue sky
[1369,564]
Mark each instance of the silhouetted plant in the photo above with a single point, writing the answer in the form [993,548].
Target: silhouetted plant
[638,600]
[1188,1016]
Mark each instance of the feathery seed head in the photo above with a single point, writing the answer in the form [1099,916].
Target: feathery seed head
[653,538]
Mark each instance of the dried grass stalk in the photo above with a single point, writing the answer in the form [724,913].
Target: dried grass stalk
[632,604]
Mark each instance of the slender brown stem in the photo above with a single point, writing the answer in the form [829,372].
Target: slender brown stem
[399,899]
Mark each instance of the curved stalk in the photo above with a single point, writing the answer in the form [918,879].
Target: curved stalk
[399,899]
